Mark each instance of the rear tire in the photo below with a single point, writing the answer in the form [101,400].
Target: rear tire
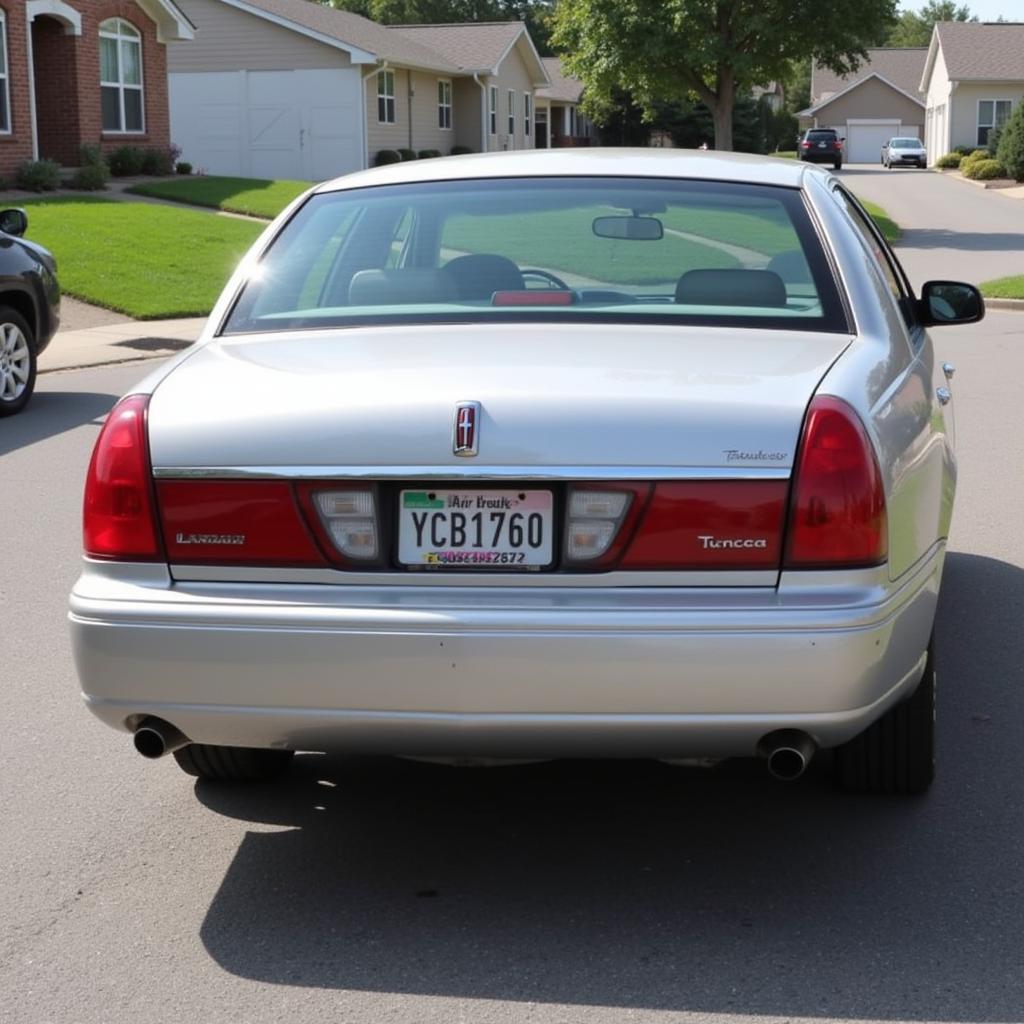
[896,754]
[17,361]
[232,764]
[838,165]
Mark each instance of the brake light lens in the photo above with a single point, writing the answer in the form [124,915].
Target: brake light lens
[118,520]
[837,513]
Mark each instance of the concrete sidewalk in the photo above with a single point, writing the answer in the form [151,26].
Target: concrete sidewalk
[124,342]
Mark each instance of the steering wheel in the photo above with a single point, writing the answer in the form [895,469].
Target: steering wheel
[546,275]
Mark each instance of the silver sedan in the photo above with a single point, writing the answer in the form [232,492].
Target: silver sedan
[546,454]
[904,152]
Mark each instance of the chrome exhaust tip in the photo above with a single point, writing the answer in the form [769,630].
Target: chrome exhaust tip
[154,737]
[787,752]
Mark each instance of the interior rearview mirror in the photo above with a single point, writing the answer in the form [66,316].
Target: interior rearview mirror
[632,229]
[13,221]
[950,302]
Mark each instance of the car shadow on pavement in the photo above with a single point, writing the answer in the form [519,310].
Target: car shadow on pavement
[50,413]
[965,241]
[643,885]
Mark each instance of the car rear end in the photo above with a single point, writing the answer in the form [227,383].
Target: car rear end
[615,518]
[821,146]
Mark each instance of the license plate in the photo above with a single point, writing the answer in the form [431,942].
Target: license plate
[475,529]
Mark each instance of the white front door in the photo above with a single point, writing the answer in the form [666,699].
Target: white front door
[305,125]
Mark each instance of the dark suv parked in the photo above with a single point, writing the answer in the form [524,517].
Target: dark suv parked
[821,146]
[29,309]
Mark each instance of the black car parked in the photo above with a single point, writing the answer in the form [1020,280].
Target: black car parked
[821,146]
[29,309]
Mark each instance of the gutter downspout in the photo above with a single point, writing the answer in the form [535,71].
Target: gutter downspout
[366,122]
[484,144]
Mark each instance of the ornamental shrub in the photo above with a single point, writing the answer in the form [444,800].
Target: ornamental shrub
[386,156]
[38,175]
[90,178]
[158,162]
[407,154]
[972,158]
[428,154]
[461,150]
[964,150]
[949,160]
[126,161]
[183,167]
[992,143]
[1011,144]
[985,170]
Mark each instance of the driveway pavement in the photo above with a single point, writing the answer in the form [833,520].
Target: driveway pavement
[950,228]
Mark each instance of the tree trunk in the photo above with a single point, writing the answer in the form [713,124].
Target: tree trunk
[722,114]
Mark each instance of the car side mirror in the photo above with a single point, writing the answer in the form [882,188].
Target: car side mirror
[950,302]
[13,221]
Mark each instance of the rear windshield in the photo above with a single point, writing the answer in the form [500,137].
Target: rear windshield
[824,133]
[596,249]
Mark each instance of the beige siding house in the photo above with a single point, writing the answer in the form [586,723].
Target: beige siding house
[293,89]
[869,106]
[560,122]
[972,80]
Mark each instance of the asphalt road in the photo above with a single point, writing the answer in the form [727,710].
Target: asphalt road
[384,891]
[950,229]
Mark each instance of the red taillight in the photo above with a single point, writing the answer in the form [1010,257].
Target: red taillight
[118,518]
[805,145]
[837,513]
[234,522]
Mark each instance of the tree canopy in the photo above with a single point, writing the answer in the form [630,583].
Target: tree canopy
[914,28]
[709,50]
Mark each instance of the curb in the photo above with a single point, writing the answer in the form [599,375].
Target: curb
[1007,305]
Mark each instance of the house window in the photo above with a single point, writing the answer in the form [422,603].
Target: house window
[527,113]
[494,109]
[386,97]
[511,113]
[121,76]
[444,103]
[5,93]
[991,114]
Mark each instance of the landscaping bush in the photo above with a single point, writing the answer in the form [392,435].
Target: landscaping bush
[90,177]
[971,159]
[38,175]
[157,162]
[992,143]
[948,161]
[1011,144]
[985,170]
[460,150]
[428,154]
[964,150]
[386,156]
[407,154]
[126,161]
[91,156]
[183,167]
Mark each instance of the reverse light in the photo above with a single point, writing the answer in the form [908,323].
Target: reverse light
[117,514]
[837,513]
[350,520]
[594,520]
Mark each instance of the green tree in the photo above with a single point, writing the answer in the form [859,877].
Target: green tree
[710,50]
[915,28]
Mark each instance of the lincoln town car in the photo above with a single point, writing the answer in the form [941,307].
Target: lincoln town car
[578,453]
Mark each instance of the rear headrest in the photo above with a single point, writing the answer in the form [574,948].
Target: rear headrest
[480,275]
[731,288]
[399,287]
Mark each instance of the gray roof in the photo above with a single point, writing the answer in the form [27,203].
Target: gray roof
[354,30]
[469,46]
[989,51]
[898,65]
[564,88]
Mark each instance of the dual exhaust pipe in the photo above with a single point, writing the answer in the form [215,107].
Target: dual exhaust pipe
[154,737]
[787,752]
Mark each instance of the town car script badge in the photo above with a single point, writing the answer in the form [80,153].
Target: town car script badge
[467,429]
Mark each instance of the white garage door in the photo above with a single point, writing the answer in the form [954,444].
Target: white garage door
[864,142]
[269,124]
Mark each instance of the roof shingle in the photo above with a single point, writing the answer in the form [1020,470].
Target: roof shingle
[898,65]
[986,51]
[564,88]
[469,46]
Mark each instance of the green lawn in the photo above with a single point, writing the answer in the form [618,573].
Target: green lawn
[151,262]
[786,154]
[253,196]
[885,223]
[1004,287]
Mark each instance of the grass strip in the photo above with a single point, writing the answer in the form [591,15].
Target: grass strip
[1004,287]
[255,197]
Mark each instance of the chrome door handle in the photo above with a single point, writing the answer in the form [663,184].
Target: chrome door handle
[948,369]
[944,395]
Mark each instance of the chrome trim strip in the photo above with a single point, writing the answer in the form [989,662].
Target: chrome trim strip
[471,472]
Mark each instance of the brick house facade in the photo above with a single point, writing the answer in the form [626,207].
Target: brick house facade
[52,98]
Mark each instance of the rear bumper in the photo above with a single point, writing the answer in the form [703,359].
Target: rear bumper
[504,672]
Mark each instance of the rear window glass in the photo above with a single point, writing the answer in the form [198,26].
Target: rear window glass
[604,249]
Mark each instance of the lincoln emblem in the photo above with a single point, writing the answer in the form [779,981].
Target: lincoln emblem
[467,420]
